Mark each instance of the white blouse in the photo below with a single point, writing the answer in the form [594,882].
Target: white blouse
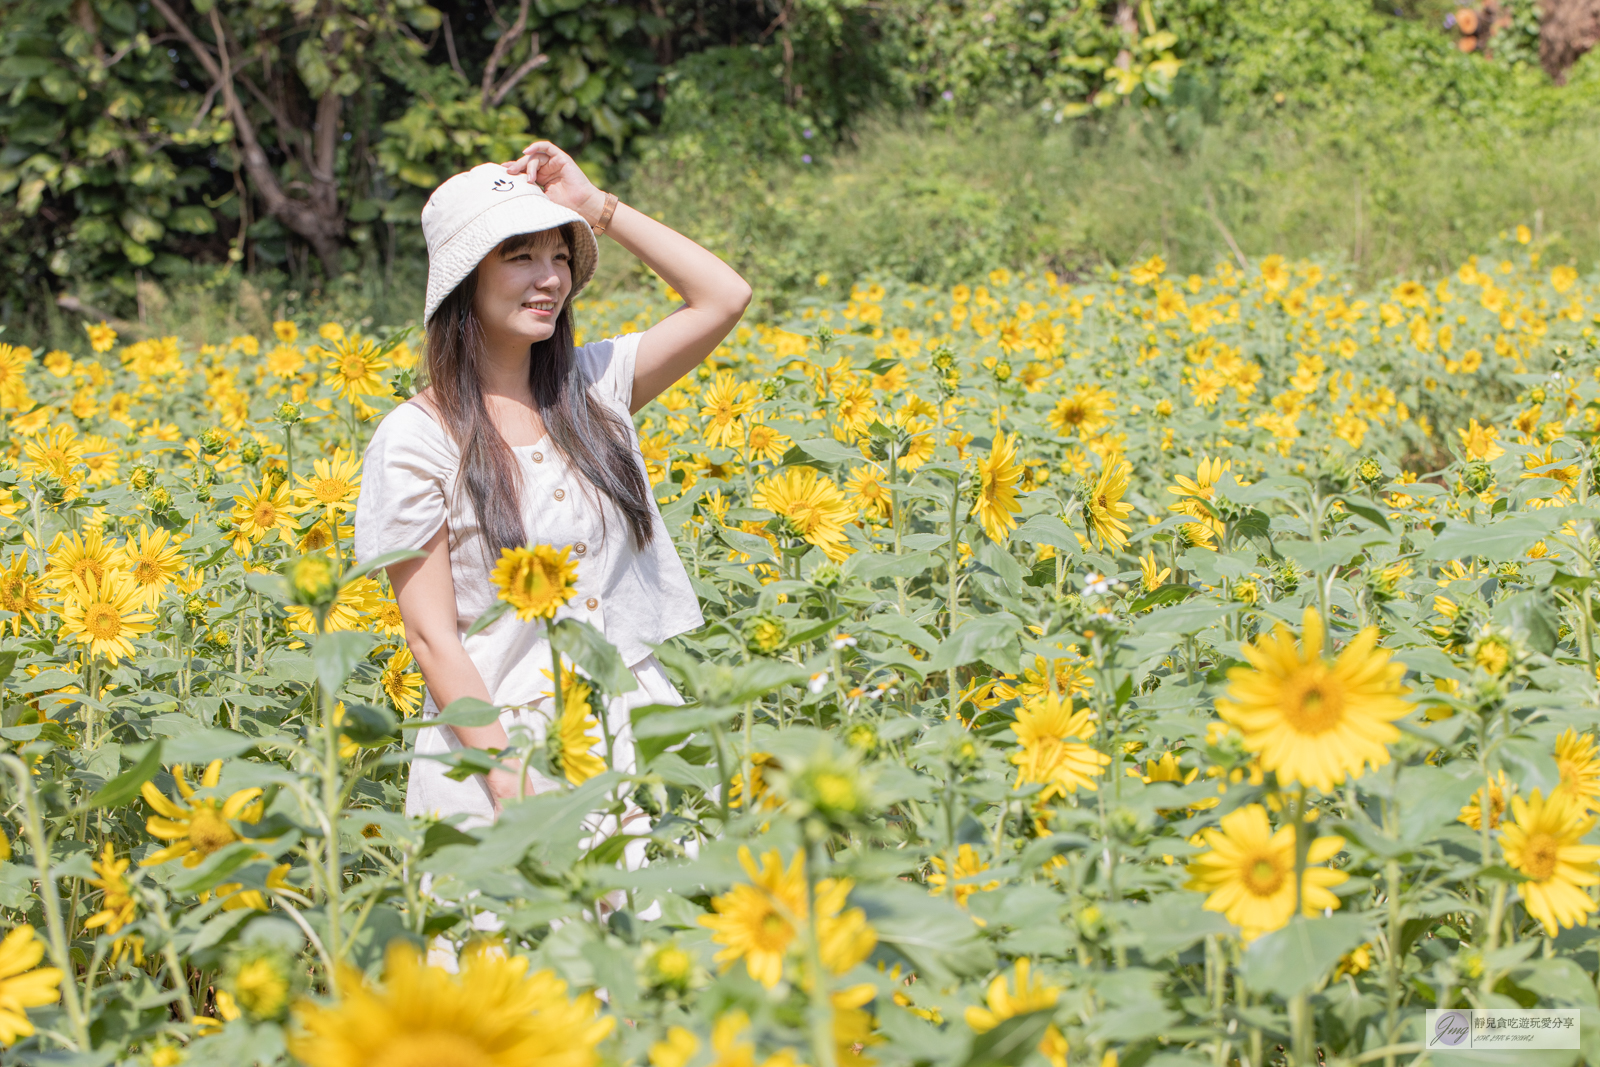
[637,598]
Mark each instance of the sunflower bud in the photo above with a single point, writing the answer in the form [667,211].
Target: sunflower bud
[195,608]
[213,441]
[863,738]
[251,452]
[670,969]
[1370,471]
[288,414]
[827,575]
[262,980]
[765,634]
[312,581]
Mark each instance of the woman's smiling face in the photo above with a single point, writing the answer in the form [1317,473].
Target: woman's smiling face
[522,286]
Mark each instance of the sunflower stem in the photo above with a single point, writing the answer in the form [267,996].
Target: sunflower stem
[49,896]
[821,1002]
[1301,1024]
[950,606]
[169,952]
[332,803]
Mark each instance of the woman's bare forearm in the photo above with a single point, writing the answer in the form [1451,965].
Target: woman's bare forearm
[450,675]
[704,281]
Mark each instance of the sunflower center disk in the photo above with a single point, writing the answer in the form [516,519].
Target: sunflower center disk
[774,930]
[208,831]
[434,1049]
[1539,856]
[1313,701]
[103,622]
[1263,877]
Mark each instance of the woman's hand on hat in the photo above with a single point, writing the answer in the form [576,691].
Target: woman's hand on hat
[562,180]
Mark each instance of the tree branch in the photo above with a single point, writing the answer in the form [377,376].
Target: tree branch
[535,60]
[501,48]
[450,49]
[318,227]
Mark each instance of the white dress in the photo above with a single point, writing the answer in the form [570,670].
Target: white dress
[637,598]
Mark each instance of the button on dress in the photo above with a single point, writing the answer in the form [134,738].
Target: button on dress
[638,598]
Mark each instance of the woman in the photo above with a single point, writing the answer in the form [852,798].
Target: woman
[521,438]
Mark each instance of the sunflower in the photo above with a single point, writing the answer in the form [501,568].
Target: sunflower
[1190,493]
[19,592]
[968,865]
[1472,811]
[492,1014]
[1105,510]
[101,458]
[23,983]
[872,497]
[1310,720]
[1152,576]
[1544,843]
[536,581]
[759,761]
[844,937]
[14,360]
[117,907]
[1053,753]
[763,442]
[320,535]
[151,561]
[1249,873]
[1580,768]
[285,361]
[997,491]
[332,487]
[355,369]
[350,607]
[262,515]
[402,684]
[1070,679]
[1085,412]
[105,616]
[1021,996]
[56,453]
[576,744]
[855,411]
[196,828]
[725,404]
[101,337]
[812,506]
[82,556]
[758,921]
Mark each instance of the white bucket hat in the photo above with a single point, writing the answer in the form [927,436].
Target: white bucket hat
[468,216]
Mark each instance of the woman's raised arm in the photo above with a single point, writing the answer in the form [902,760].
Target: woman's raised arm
[714,295]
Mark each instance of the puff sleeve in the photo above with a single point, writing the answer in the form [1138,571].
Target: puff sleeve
[405,478]
[609,365]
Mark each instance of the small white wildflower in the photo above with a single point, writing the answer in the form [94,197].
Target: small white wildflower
[843,641]
[1096,584]
[819,682]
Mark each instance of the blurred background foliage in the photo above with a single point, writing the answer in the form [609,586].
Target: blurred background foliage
[172,160]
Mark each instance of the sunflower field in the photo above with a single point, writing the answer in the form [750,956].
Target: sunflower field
[1128,669]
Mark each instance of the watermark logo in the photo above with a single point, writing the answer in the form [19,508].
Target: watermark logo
[1504,1029]
[1449,1028]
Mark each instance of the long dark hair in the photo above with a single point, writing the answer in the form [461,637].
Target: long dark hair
[588,435]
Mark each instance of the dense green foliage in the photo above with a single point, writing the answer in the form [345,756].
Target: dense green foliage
[954,134]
